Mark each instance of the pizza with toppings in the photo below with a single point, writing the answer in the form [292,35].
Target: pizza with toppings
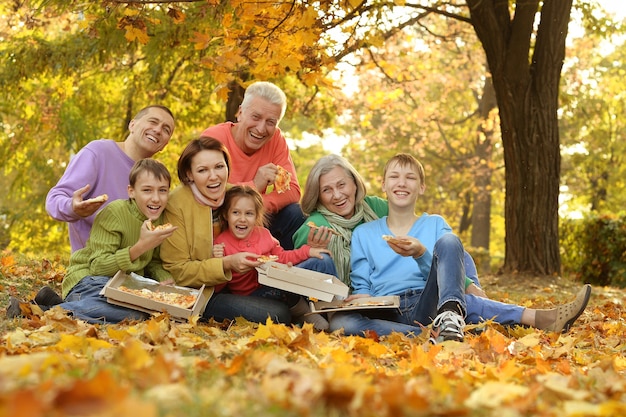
[282,180]
[160,227]
[267,258]
[314,226]
[172,298]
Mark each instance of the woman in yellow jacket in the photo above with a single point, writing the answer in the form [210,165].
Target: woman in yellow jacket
[203,169]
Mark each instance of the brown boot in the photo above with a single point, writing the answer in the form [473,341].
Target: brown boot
[561,318]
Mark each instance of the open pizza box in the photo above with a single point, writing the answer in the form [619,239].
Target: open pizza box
[302,281]
[133,281]
[365,303]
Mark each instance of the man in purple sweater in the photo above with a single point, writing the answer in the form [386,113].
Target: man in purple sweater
[102,167]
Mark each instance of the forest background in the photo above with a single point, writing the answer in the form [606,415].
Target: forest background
[371,78]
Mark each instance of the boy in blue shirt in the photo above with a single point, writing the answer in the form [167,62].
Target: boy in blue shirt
[422,261]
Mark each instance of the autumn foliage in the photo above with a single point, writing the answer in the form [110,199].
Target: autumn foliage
[53,365]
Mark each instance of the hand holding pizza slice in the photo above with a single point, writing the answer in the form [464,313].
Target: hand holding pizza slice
[405,246]
[99,199]
[316,227]
[282,180]
[165,226]
[267,258]
[395,240]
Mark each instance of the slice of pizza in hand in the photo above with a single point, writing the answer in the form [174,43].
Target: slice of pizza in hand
[282,180]
[165,226]
[99,199]
[314,226]
[395,240]
[267,258]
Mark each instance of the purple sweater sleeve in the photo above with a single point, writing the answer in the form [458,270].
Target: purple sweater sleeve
[101,164]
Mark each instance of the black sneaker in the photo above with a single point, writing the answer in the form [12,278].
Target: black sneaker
[14,310]
[47,297]
[448,325]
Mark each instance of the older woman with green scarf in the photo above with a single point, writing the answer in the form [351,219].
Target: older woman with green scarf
[336,201]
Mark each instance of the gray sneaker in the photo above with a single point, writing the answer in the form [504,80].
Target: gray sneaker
[448,325]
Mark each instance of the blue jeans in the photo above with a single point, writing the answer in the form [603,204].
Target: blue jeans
[255,308]
[445,282]
[284,223]
[85,302]
[326,265]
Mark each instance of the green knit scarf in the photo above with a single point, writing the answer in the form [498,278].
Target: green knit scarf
[339,245]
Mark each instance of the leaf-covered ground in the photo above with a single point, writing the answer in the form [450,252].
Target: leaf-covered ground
[52,365]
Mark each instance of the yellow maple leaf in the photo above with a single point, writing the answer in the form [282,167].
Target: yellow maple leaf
[200,40]
[132,33]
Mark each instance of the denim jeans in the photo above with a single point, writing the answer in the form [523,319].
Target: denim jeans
[470,269]
[254,308]
[445,282]
[284,223]
[85,302]
[326,265]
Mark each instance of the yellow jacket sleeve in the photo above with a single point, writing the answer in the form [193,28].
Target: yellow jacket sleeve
[188,253]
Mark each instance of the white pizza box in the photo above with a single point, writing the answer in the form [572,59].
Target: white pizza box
[137,302]
[364,303]
[302,281]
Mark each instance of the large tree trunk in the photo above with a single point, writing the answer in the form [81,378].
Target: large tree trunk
[527,93]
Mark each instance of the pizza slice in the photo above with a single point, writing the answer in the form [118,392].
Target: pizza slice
[160,227]
[314,226]
[99,199]
[395,240]
[282,180]
[267,258]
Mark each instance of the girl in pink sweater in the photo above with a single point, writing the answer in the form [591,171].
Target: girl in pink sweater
[242,216]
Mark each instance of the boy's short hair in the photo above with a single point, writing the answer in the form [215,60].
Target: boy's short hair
[405,159]
[152,166]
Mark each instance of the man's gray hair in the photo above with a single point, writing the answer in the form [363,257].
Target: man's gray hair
[268,92]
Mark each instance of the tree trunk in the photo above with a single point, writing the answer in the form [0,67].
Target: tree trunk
[235,97]
[527,89]
[481,214]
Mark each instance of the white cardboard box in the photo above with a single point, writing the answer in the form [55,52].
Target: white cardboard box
[136,302]
[302,281]
[365,303]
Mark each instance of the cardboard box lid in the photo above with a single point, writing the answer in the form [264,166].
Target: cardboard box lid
[134,281]
[365,303]
[302,281]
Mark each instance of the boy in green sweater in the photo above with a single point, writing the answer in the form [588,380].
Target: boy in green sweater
[121,239]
